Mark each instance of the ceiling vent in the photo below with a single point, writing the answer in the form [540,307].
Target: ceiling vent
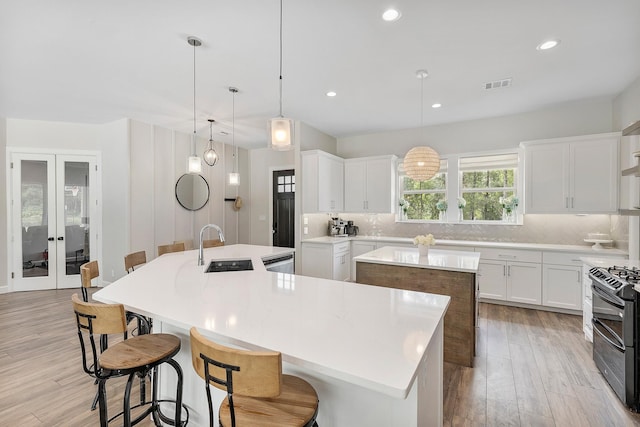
[498,84]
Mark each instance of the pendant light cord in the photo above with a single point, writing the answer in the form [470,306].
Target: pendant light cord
[281,59]
[194,89]
[233,129]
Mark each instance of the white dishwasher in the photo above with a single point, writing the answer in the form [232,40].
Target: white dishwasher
[280,264]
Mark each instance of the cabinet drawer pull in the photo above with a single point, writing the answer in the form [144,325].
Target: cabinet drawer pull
[507,256]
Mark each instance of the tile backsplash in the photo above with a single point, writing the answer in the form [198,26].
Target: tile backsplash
[551,229]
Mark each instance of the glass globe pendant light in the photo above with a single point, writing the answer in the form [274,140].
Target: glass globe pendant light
[210,156]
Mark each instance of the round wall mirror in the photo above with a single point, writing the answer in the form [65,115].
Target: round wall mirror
[192,191]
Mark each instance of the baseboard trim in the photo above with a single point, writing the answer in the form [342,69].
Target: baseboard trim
[532,306]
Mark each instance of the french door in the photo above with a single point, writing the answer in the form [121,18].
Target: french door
[54,212]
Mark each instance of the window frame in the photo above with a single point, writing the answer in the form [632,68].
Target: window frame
[454,189]
[401,192]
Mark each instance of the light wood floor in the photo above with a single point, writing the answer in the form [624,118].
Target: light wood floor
[533,368]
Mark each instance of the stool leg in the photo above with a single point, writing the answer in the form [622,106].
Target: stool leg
[126,405]
[94,404]
[154,398]
[102,400]
[176,366]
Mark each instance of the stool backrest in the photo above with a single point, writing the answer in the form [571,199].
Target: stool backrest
[97,320]
[133,260]
[88,272]
[259,374]
[212,243]
[175,247]
[188,244]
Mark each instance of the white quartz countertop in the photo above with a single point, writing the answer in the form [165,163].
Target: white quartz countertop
[610,262]
[437,259]
[587,249]
[371,336]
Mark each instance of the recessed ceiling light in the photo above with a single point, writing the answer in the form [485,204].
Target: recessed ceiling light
[331,94]
[549,44]
[436,105]
[391,15]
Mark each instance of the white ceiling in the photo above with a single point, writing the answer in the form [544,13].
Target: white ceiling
[92,61]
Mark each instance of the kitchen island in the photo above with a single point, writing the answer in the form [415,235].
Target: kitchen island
[442,272]
[373,354]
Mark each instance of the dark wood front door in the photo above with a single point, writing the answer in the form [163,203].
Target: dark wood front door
[284,194]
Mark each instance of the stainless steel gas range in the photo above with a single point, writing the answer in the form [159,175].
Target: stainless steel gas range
[616,329]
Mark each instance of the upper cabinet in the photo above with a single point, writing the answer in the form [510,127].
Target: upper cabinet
[572,175]
[322,182]
[369,184]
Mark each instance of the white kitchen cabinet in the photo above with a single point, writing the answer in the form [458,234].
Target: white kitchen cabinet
[322,182]
[562,286]
[326,261]
[572,175]
[562,280]
[342,261]
[510,275]
[369,184]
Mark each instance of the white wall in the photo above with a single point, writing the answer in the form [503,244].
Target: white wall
[158,157]
[570,119]
[584,117]
[114,147]
[626,106]
[4,283]
[262,163]
[626,110]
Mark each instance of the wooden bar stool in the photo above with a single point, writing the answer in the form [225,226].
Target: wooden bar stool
[136,356]
[258,394]
[174,247]
[188,244]
[133,260]
[212,243]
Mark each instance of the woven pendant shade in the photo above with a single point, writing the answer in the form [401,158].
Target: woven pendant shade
[421,163]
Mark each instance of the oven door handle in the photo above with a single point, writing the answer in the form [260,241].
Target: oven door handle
[595,322]
[607,298]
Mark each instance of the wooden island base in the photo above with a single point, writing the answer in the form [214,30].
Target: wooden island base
[460,319]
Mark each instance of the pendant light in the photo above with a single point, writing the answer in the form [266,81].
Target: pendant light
[210,155]
[281,128]
[194,164]
[234,177]
[421,163]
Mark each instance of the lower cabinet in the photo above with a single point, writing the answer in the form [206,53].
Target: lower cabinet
[326,261]
[562,286]
[341,261]
[510,281]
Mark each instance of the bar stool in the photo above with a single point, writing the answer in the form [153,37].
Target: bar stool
[212,243]
[133,260]
[258,394]
[188,244]
[136,356]
[175,247]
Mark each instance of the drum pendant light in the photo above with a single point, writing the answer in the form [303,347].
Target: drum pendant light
[421,163]
[234,177]
[194,164]
[210,155]
[281,128]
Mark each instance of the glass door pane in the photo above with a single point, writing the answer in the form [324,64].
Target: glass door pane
[33,222]
[76,207]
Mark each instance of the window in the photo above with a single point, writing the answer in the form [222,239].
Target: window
[487,183]
[419,200]
[488,186]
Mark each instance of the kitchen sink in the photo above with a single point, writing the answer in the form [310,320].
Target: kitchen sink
[216,266]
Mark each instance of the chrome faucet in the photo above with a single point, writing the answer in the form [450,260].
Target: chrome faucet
[220,236]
